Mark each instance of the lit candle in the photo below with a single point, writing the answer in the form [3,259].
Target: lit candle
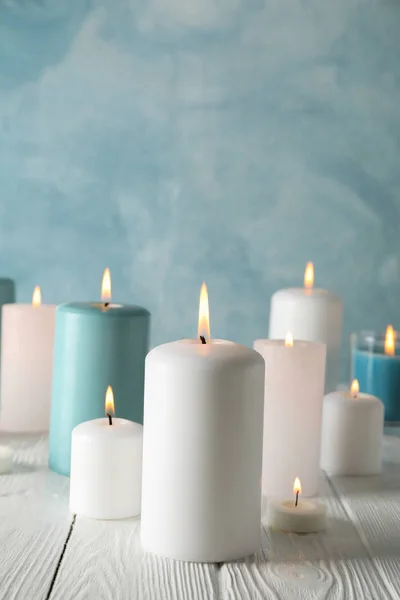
[26,365]
[202,448]
[311,314]
[106,466]
[376,365]
[294,389]
[352,431]
[295,515]
[96,344]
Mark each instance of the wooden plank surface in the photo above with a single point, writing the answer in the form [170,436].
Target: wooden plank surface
[34,521]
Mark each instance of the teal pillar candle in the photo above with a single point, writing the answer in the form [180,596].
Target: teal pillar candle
[96,345]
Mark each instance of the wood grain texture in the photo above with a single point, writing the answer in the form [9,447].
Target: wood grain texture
[34,521]
[104,560]
[333,565]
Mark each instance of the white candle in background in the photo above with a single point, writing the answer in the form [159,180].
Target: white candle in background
[352,432]
[27,365]
[295,515]
[294,388]
[313,315]
[202,450]
[6,460]
[106,467]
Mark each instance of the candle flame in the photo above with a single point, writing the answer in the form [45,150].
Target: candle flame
[204,314]
[297,486]
[390,341]
[36,297]
[288,339]
[106,286]
[309,276]
[354,388]
[109,403]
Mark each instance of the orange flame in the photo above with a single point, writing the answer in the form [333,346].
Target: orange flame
[354,388]
[109,403]
[390,341]
[204,314]
[309,276]
[106,286]
[297,486]
[36,297]
[288,339]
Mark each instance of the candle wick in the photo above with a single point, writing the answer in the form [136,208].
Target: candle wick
[202,339]
[106,304]
[297,499]
[109,419]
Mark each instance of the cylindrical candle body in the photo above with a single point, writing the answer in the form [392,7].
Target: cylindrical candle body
[95,347]
[313,315]
[294,389]
[26,367]
[7,293]
[307,517]
[352,430]
[106,469]
[202,451]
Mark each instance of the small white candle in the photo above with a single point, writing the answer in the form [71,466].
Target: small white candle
[311,314]
[6,460]
[27,365]
[294,389]
[352,431]
[202,450]
[295,515]
[106,467]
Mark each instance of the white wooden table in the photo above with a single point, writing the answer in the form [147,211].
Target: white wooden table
[46,553]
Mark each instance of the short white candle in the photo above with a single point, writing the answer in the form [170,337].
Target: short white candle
[294,389]
[27,365]
[295,515]
[352,431]
[310,314]
[106,467]
[202,450]
[6,460]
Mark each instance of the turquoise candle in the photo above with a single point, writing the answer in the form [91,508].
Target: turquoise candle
[378,373]
[95,346]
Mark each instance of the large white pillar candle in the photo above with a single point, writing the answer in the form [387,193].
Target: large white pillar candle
[352,432]
[106,467]
[313,315]
[27,365]
[294,389]
[202,452]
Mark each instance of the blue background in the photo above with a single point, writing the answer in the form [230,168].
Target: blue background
[225,140]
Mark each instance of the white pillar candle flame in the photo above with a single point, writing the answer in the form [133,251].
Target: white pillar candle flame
[109,402]
[36,297]
[288,339]
[309,276]
[390,341]
[296,490]
[354,388]
[204,314]
[106,286]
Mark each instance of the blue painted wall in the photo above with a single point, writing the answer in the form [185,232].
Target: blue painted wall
[225,140]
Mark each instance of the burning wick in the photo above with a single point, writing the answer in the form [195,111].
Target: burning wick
[202,339]
[109,419]
[106,304]
[297,498]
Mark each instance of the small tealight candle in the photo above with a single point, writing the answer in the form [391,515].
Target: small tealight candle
[6,460]
[106,467]
[296,516]
[352,430]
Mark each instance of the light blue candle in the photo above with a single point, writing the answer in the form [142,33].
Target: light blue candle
[378,373]
[95,346]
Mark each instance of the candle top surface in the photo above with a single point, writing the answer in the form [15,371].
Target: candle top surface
[304,293]
[346,397]
[15,306]
[99,308]
[299,345]
[101,429]
[306,505]
[220,350]
[373,343]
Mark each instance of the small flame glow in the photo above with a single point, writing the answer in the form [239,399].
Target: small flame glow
[288,339]
[354,388]
[204,314]
[37,297]
[109,403]
[106,286]
[296,486]
[309,276]
[390,341]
